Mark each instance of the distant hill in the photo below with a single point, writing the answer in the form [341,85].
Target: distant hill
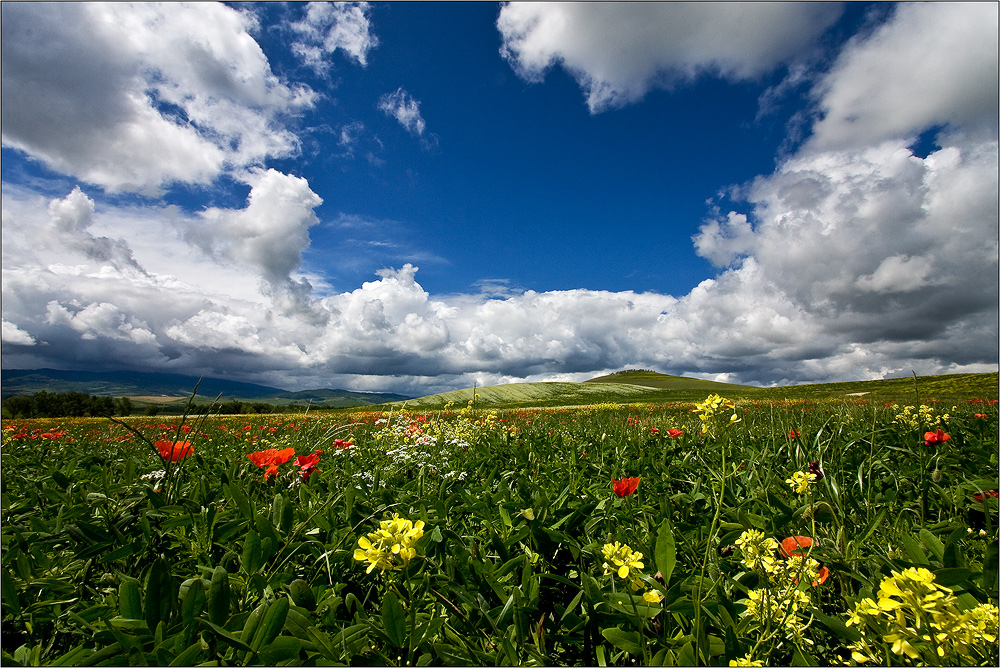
[165,388]
[652,387]
[662,381]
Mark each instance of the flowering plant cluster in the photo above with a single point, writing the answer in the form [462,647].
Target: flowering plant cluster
[778,605]
[627,564]
[922,417]
[800,481]
[917,618]
[391,547]
[712,409]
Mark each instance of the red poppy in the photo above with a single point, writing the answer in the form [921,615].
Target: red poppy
[654,430]
[271,458]
[625,486]
[341,444]
[792,433]
[979,497]
[308,463]
[795,546]
[675,433]
[936,437]
[174,451]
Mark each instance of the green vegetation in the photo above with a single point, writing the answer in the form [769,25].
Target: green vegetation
[754,532]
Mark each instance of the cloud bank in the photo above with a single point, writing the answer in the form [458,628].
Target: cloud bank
[856,258]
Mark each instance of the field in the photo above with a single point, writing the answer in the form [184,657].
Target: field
[756,530]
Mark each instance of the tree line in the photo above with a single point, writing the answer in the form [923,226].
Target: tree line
[78,404]
[63,404]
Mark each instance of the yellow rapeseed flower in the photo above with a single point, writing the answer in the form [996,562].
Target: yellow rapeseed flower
[800,481]
[390,547]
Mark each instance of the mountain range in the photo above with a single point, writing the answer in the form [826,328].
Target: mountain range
[165,387]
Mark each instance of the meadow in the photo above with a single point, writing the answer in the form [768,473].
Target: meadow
[848,530]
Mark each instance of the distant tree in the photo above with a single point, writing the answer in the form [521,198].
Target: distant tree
[123,406]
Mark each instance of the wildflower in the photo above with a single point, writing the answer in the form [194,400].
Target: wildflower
[174,450]
[917,617]
[792,433]
[745,661]
[815,470]
[390,547]
[651,597]
[625,486]
[757,549]
[622,561]
[936,437]
[271,458]
[800,481]
[710,409]
[307,463]
[341,444]
[979,497]
[674,433]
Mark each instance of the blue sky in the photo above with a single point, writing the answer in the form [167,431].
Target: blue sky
[422,196]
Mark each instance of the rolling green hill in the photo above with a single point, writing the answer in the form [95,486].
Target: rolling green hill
[651,387]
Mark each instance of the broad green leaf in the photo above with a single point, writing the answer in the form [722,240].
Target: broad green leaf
[665,552]
[393,619]
[159,593]
[630,641]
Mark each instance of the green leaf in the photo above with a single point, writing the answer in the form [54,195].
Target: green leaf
[239,497]
[351,639]
[625,640]
[990,568]
[8,591]
[159,593]
[251,557]
[801,658]
[189,656]
[665,552]
[393,619]
[218,596]
[949,577]
[837,626]
[280,649]
[933,544]
[271,624]
[913,549]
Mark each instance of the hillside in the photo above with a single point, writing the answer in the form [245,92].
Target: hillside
[652,387]
[662,381]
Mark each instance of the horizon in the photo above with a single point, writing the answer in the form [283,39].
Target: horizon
[417,197]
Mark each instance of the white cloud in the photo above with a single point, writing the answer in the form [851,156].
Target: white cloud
[269,235]
[932,64]
[617,52]
[15,335]
[135,97]
[404,108]
[328,26]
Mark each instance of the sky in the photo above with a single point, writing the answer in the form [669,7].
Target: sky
[419,197]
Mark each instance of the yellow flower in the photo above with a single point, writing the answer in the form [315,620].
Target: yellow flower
[745,661]
[651,597]
[621,559]
[800,481]
[390,547]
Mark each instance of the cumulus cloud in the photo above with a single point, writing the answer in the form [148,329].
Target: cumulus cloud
[933,64]
[328,26]
[617,52]
[269,235]
[134,97]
